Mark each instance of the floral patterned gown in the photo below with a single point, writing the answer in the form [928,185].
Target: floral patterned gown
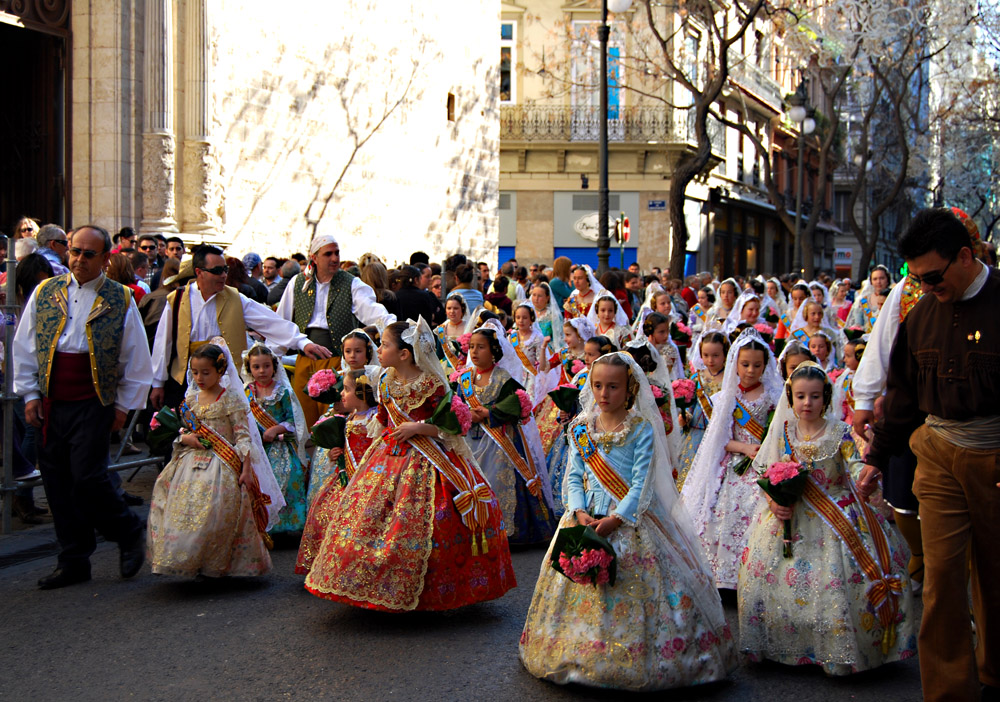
[812,609]
[328,496]
[725,534]
[528,519]
[697,424]
[396,541]
[200,519]
[647,631]
[284,458]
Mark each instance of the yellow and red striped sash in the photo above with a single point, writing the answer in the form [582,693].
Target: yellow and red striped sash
[527,470]
[228,455]
[259,413]
[743,417]
[474,494]
[449,350]
[884,588]
[703,399]
[515,341]
[606,475]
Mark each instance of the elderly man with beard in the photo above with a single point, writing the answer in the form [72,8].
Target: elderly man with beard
[326,303]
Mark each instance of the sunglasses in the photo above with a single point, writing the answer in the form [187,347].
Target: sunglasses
[218,270]
[64,242]
[86,253]
[932,279]
[148,248]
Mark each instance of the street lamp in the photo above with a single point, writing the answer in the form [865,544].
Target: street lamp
[799,112]
[603,32]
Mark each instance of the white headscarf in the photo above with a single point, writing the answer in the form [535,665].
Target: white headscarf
[510,363]
[319,242]
[662,377]
[371,347]
[421,338]
[660,501]
[594,284]
[230,380]
[583,327]
[782,301]
[621,319]
[555,316]
[536,329]
[701,490]
[465,306]
[734,319]
[281,381]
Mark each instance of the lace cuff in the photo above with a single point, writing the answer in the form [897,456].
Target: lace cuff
[625,520]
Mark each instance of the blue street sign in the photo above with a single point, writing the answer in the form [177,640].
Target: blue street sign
[657,205]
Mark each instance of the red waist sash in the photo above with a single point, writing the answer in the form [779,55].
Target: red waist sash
[71,379]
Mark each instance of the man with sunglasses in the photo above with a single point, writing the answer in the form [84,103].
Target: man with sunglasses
[81,364]
[53,244]
[942,389]
[326,304]
[149,245]
[205,308]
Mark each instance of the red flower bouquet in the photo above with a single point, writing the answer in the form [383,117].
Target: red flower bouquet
[584,556]
[784,483]
[462,413]
[680,333]
[526,406]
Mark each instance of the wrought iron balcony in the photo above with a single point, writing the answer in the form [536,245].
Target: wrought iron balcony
[755,79]
[631,125]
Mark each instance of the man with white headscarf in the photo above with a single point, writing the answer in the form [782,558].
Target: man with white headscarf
[326,303]
[204,309]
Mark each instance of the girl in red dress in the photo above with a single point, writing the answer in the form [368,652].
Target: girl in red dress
[418,527]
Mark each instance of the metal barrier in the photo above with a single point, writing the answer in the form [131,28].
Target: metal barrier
[9,485]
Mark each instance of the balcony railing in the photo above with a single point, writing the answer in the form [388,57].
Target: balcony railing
[751,76]
[638,125]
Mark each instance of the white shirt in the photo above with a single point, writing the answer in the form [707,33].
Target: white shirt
[135,362]
[364,306]
[205,325]
[870,378]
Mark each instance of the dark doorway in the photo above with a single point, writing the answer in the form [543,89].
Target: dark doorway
[33,127]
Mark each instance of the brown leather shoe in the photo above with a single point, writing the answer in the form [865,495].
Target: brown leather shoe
[62,577]
[25,511]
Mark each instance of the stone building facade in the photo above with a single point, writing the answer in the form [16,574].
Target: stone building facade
[257,126]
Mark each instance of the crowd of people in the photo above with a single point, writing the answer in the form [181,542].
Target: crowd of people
[826,451]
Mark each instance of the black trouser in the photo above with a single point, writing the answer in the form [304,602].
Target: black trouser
[73,459]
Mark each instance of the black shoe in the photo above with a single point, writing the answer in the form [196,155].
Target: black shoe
[132,500]
[132,556]
[62,576]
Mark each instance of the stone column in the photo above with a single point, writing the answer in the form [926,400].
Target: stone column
[158,212]
[202,202]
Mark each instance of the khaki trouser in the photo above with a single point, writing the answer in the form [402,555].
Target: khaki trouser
[959,508]
[304,369]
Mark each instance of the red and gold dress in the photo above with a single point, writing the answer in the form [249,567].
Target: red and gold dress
[356,444]
[418,527]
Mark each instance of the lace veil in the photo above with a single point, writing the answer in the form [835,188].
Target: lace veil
[233,385]
[621,319]
[281,381]
[701,490]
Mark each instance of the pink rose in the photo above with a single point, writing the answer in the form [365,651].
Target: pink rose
[526,405]
[683,328]
[684,390]
[779,472]
[657,392]
[321,381]
[154,423]
[463,341]
[455,377]
[764,329]
[577,366]
[463,413]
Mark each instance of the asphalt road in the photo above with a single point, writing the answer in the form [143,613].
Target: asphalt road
[159,638]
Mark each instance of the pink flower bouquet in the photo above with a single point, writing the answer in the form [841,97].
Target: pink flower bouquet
[853,333]
[322,386]
[463,341]
[683,392]
[680,333]
[584,556]
[526,405]
[784,483]
[462,413]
